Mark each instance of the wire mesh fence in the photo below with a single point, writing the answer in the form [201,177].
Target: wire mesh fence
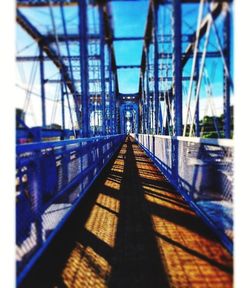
[50,178]
[202,170]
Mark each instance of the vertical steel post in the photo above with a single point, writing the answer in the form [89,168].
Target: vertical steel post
[102,64]
[122,119]
[177,68]
[156,72]
[137,119]
[143,120]
[42,86]
[111,95]
[117,127]
[197,111]
[83,32]
[147,89]
[226,90]
[62,104]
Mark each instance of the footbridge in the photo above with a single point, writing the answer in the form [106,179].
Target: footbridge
[124,143]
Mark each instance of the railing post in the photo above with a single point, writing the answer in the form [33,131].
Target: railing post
[65,163]
[175,160]
[36,196]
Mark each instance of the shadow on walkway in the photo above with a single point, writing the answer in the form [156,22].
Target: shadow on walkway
[133,230]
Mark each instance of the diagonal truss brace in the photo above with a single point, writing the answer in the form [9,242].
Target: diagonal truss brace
[51,53]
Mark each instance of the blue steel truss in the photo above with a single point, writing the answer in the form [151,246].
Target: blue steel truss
[56,164]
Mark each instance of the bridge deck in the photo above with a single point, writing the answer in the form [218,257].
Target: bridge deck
[134,230]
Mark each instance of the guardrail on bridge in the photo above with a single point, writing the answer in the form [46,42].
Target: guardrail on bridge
[202,171]
[51,179]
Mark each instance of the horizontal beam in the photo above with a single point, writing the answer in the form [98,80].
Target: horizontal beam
[128,66]
[75,38]
[212,54]
[56,81]
[49,58]
[129,94]
[184,78]
[44,3]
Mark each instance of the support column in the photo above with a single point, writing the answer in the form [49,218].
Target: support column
[147,90]
[197,111]
[226,90]
[177,68]
[102,64]
[42,86]
[111,95]
[83,32]
[117,127]
[62,103]
[143,97]
[156,73]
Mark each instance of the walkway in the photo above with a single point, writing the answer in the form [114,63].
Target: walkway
[134,230]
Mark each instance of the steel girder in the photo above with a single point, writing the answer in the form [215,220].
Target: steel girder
[210,54]
[177,69]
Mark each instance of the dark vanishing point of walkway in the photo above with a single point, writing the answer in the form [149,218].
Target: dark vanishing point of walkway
[133,230]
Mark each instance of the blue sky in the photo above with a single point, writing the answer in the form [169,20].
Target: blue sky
[129,19]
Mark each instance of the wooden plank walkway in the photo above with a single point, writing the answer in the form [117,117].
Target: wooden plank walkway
[136,232]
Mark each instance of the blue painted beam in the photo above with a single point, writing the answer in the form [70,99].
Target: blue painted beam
[156,68]
[43,102]
[197,110]
[83,30]
[177,68]
[62,105]
[226,86]
[147,90]
[102,67]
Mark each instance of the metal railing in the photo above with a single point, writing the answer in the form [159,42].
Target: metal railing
[201,170]
[51,179]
